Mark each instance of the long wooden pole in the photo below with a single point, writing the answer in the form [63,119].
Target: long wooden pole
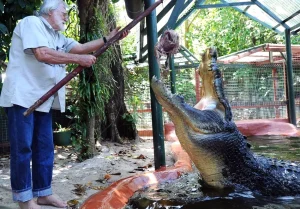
[100,51]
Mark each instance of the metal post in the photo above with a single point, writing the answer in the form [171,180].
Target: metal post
[157,124]
[289,65]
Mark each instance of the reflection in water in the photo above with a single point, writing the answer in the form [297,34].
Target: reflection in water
[276,147]
[219,203]
[231,201]
[242,203]
[186,193]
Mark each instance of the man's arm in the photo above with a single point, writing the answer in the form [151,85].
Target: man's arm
[47,55]
[88,47]
[78,54]
[92,46]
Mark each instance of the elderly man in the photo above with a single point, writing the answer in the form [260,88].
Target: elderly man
[37,59]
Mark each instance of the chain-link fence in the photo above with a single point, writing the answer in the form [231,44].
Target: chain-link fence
[254,91]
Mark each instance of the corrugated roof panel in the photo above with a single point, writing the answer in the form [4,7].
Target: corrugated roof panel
[282,8]
[294,21]
[255,11]
[281,29]
[257,14]
[275,14]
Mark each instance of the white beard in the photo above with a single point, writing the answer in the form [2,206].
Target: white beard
[60,24]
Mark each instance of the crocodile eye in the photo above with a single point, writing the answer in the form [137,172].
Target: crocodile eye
[248,145]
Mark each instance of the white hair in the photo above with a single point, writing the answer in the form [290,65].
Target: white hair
[50,5]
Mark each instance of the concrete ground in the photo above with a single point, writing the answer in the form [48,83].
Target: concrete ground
[75,181]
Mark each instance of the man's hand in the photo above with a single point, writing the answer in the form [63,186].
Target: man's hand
[115,31]
[86,60]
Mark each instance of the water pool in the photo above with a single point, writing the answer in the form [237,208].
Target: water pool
[280,147]
[186,192]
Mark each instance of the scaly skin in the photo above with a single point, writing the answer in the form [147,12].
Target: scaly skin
[220,151]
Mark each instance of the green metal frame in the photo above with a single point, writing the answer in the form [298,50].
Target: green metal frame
[157,124]
[173,22]
[199,5]
[289,66]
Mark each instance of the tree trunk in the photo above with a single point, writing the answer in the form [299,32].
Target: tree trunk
[121,127]
[115,128]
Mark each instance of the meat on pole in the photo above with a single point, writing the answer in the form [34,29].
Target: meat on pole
[79,68]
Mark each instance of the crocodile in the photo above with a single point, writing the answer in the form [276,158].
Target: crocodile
[218,149]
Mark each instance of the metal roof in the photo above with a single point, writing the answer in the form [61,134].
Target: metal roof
[262,54]
[277,15]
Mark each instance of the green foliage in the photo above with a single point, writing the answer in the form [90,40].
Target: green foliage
[295,39]
[185,85]
[130,117]
[59,128]
[72,29]
[95,86]
[134,103]
[128,44]
[136,81]
[10,12]
[228,30]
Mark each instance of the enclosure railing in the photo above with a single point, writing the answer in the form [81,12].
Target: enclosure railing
[254,91]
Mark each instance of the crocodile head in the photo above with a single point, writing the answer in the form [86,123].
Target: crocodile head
[206,136]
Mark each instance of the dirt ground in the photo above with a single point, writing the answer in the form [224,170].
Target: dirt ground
[77,181]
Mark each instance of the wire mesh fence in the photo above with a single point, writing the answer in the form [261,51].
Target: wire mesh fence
[253,91]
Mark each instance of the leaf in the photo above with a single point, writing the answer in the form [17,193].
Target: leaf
[73,203]
[141,157]
[22,3]
[107,176]
[79,189]
[1,6]
[3,29]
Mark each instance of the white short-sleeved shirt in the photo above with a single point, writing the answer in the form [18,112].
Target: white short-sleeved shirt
[27,79]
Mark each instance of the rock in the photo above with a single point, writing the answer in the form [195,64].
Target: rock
[105,149]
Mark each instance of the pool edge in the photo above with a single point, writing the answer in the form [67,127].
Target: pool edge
[117,194]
